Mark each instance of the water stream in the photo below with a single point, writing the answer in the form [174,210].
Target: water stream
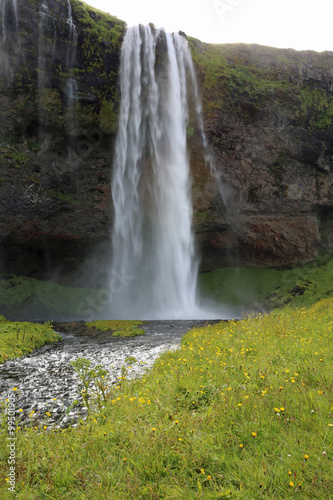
[46,382]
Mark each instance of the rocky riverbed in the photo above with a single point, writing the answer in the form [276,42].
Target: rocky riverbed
[47,384]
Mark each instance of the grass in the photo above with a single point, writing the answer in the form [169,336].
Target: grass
[265,288]
[102,25]
[250,288]
[19,294]
[242,410]
[18,339]
[119,328]
[237,84]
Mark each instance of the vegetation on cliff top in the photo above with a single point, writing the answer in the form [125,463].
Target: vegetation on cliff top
[235,79]
[104,26]
[232,413]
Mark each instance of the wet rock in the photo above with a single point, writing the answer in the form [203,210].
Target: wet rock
[47,382]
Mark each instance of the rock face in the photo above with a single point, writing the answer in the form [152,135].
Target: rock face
[55,204]
[268,115]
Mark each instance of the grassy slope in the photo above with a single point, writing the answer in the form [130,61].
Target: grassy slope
[235,83]
[243,410]
[19,339]
[262,288]
[43,296]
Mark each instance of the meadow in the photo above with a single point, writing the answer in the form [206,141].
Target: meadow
[242,410]
[20,338]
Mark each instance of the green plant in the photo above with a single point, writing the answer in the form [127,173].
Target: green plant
[95,383]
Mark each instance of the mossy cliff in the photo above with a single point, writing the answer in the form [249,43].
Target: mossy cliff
[55,149]
[268,115]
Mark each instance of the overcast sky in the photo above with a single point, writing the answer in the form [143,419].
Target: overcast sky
[297,24]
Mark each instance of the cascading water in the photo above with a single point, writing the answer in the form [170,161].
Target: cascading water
[8,26]
[72,37]
[46,52]
[153,243]
[9,16]
[71,56]
[71,84]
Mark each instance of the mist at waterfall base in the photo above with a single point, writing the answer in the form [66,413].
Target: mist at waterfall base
[155,264]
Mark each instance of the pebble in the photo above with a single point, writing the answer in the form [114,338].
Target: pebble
[46,381]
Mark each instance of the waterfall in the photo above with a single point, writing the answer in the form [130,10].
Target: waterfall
[71,84]
[9,17]
[8,27]
[153,242]
[72,37]
[46,52]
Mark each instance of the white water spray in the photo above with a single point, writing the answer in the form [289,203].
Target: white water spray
[9,15]
[9,38]
[47,44]
[71,84]
[153,243]
[72,38]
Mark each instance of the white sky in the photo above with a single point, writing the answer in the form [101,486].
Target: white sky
[297,24]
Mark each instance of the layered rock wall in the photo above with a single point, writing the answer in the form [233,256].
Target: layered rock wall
[268,114]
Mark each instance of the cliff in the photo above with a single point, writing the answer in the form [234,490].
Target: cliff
[56,147]
[268,115]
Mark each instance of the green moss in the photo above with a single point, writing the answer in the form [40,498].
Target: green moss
[108,119]
[51,108]
[268,288]
[87,116]
[119,328]
[61,196]
[100,25]
[190,132]
[204,216]
[244,89]
[315,108]
[134,332]
[19,339]
[43,298]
